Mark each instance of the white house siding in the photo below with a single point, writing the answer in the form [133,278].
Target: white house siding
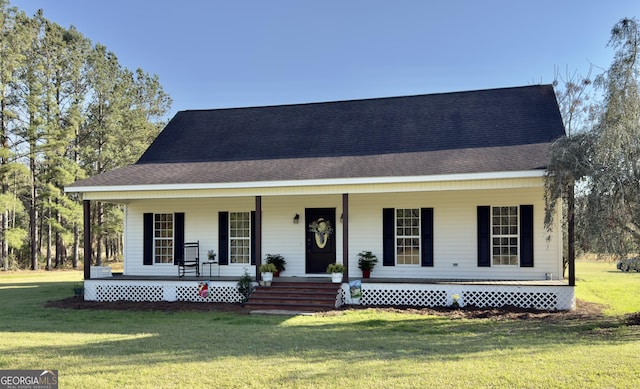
[455,240]
[455,234]
[201,224]
[281,236]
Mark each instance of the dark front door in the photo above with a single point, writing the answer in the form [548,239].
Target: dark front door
[320,238]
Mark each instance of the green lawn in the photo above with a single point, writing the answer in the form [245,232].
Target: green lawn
[602,283]
[358,349]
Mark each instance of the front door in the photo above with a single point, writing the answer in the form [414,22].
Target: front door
[320,238]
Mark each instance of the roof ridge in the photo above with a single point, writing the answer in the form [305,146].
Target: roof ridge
[467,91]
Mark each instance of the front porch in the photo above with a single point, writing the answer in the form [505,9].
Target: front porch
[539,294]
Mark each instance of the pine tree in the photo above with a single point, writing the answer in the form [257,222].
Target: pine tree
[10,58]
[67,110]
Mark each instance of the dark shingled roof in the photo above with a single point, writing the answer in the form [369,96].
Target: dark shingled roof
[505,129]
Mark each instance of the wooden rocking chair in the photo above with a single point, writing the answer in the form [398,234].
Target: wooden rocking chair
[191,260]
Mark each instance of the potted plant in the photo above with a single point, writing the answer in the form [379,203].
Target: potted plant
[336,270]
[266,271]
[278,261]
[366,262]
[78,290]
[211,255]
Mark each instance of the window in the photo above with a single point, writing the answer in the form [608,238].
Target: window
[408,236]
[504,235]
[240,237]
[163,237]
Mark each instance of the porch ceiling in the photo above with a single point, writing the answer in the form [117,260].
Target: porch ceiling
[444,182]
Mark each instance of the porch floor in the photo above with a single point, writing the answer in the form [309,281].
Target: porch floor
[372,280]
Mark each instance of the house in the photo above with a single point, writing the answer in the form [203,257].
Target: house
[446,189]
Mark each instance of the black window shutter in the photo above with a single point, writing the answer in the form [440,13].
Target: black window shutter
[223,238]
[253,237]
[147,239]
[484,236]
[526,236]
[426,225]
[388,237]
[178,237]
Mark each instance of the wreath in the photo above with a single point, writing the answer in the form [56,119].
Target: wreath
[322,229]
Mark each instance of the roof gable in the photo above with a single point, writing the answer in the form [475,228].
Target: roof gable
[396,125]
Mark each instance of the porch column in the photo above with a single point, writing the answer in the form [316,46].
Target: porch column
[258,236]
[345,236]
[571,235]
[86,210]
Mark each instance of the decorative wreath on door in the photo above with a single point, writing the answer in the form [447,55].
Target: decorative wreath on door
[321,229]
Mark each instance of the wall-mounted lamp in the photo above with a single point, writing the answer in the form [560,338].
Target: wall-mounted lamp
[296,219]
[341,215]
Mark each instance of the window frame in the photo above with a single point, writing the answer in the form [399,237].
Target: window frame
[506,256]
[169,254]
[233,228]
[415,225]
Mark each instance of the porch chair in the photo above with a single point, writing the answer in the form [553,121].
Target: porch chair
[191,260]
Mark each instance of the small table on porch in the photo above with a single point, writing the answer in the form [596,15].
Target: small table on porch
[210,263]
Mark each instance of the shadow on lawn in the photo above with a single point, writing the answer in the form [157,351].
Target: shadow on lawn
[130,333]
[373,334]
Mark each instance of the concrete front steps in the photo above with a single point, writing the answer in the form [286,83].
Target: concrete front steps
[294,296]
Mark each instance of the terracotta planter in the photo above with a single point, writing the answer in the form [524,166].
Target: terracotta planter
[366,273]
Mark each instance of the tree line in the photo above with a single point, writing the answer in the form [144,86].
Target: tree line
[596,167]
[68,110]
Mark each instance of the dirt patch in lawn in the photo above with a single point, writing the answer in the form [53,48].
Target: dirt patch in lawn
[584,310]
[633,319]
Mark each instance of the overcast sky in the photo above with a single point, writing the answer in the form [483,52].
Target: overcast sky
[216,54]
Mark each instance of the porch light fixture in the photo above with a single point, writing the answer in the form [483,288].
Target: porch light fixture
[296,219]
[341,215]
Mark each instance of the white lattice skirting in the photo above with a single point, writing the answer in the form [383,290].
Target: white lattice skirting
[555,297]
[547,297]
[142,290]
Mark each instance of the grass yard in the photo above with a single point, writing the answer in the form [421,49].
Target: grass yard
[356,349]
[602,283]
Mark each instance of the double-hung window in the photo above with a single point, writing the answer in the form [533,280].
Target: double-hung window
[240,237]
[408,236]
[163,237]
[504,235]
